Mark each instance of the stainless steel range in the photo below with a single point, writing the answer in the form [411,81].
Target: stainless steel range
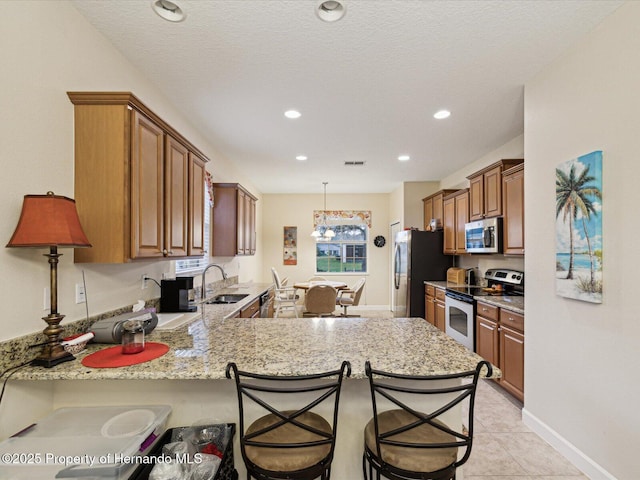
[460,305]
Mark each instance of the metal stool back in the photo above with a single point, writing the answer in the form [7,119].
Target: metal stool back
[411,440]
[294,436]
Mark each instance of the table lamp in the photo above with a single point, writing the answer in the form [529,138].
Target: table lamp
[50,221]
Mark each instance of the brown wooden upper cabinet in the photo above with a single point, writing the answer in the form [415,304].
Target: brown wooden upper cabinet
[513,207]
[433,208]
[139,184]
[455,215]
[234,221]
[485,190]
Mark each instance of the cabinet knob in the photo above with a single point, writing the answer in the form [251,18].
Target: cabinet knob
[165,252]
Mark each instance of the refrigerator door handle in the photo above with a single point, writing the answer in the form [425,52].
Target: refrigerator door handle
[396,267]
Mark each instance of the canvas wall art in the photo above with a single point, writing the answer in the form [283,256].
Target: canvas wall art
[579,228]
[290,244]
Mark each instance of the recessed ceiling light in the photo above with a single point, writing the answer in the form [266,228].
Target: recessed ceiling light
[292,114]
[330,11]
[404,158]
[169,10]
[440,114]
[302,158]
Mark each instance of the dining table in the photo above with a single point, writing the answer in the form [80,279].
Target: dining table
[332,283]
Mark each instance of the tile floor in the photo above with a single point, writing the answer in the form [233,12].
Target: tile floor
[504,448]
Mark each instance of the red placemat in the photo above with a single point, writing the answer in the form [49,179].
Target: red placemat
[112,357]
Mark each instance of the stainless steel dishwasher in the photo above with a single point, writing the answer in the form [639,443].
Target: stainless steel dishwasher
[264,305]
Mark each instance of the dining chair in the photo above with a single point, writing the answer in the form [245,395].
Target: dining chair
[284,297]
[350,297]
[288,424]
[320,300]
[409,441]
[317,278]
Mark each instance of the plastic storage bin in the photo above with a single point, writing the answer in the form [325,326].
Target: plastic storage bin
[226,470]
[84,442]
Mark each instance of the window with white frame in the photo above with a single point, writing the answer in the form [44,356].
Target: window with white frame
[194,265]
[346,252]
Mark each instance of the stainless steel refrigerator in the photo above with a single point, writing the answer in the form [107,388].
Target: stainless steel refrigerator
[417,257]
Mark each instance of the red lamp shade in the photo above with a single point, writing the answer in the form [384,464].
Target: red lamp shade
[48,220]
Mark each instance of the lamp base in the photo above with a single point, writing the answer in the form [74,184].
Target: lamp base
[51,361]
[53,352]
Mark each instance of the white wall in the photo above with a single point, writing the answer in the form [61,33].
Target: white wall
[49,49]
[297,210]
[581,359]
[396,206]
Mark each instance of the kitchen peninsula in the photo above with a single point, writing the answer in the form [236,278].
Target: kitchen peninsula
[190,377]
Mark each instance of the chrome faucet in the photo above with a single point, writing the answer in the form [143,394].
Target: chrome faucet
[204,274]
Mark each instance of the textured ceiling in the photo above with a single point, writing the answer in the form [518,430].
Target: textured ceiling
[367,85]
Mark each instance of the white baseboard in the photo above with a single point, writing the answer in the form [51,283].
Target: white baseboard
[371,307]
[590,468]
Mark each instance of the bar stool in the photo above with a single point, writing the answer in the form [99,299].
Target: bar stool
[288,443]
[404,442]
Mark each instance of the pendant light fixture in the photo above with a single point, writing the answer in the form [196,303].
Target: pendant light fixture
[323,232]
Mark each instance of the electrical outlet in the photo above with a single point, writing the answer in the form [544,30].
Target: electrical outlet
[80,293]
[46,304]
[143,284]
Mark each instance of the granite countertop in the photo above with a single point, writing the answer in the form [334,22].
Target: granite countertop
[283,346]
[515,304]
[439,283]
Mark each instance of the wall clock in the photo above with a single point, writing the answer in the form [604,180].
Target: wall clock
[379,241]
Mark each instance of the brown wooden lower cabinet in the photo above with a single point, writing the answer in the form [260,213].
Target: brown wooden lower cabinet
[487,340]
[434,306]
[252,310]
[430,304]
[512,361]
[500,340]
[440,310]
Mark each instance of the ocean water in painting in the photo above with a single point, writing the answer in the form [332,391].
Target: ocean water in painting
[581,261]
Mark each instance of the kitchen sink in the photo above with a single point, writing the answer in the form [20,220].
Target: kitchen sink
[227,298]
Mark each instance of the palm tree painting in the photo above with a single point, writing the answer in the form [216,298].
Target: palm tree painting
[579,228]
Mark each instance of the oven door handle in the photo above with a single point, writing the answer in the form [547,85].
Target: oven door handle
[460,298]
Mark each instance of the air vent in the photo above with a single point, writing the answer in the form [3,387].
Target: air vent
[354,164]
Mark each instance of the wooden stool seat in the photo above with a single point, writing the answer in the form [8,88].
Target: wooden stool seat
[289,459]
[411,459]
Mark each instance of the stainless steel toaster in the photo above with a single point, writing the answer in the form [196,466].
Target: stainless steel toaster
[109,330]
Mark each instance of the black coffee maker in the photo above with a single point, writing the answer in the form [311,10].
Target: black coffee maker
[175,295]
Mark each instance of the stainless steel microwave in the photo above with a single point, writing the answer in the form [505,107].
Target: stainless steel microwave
[484,236]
